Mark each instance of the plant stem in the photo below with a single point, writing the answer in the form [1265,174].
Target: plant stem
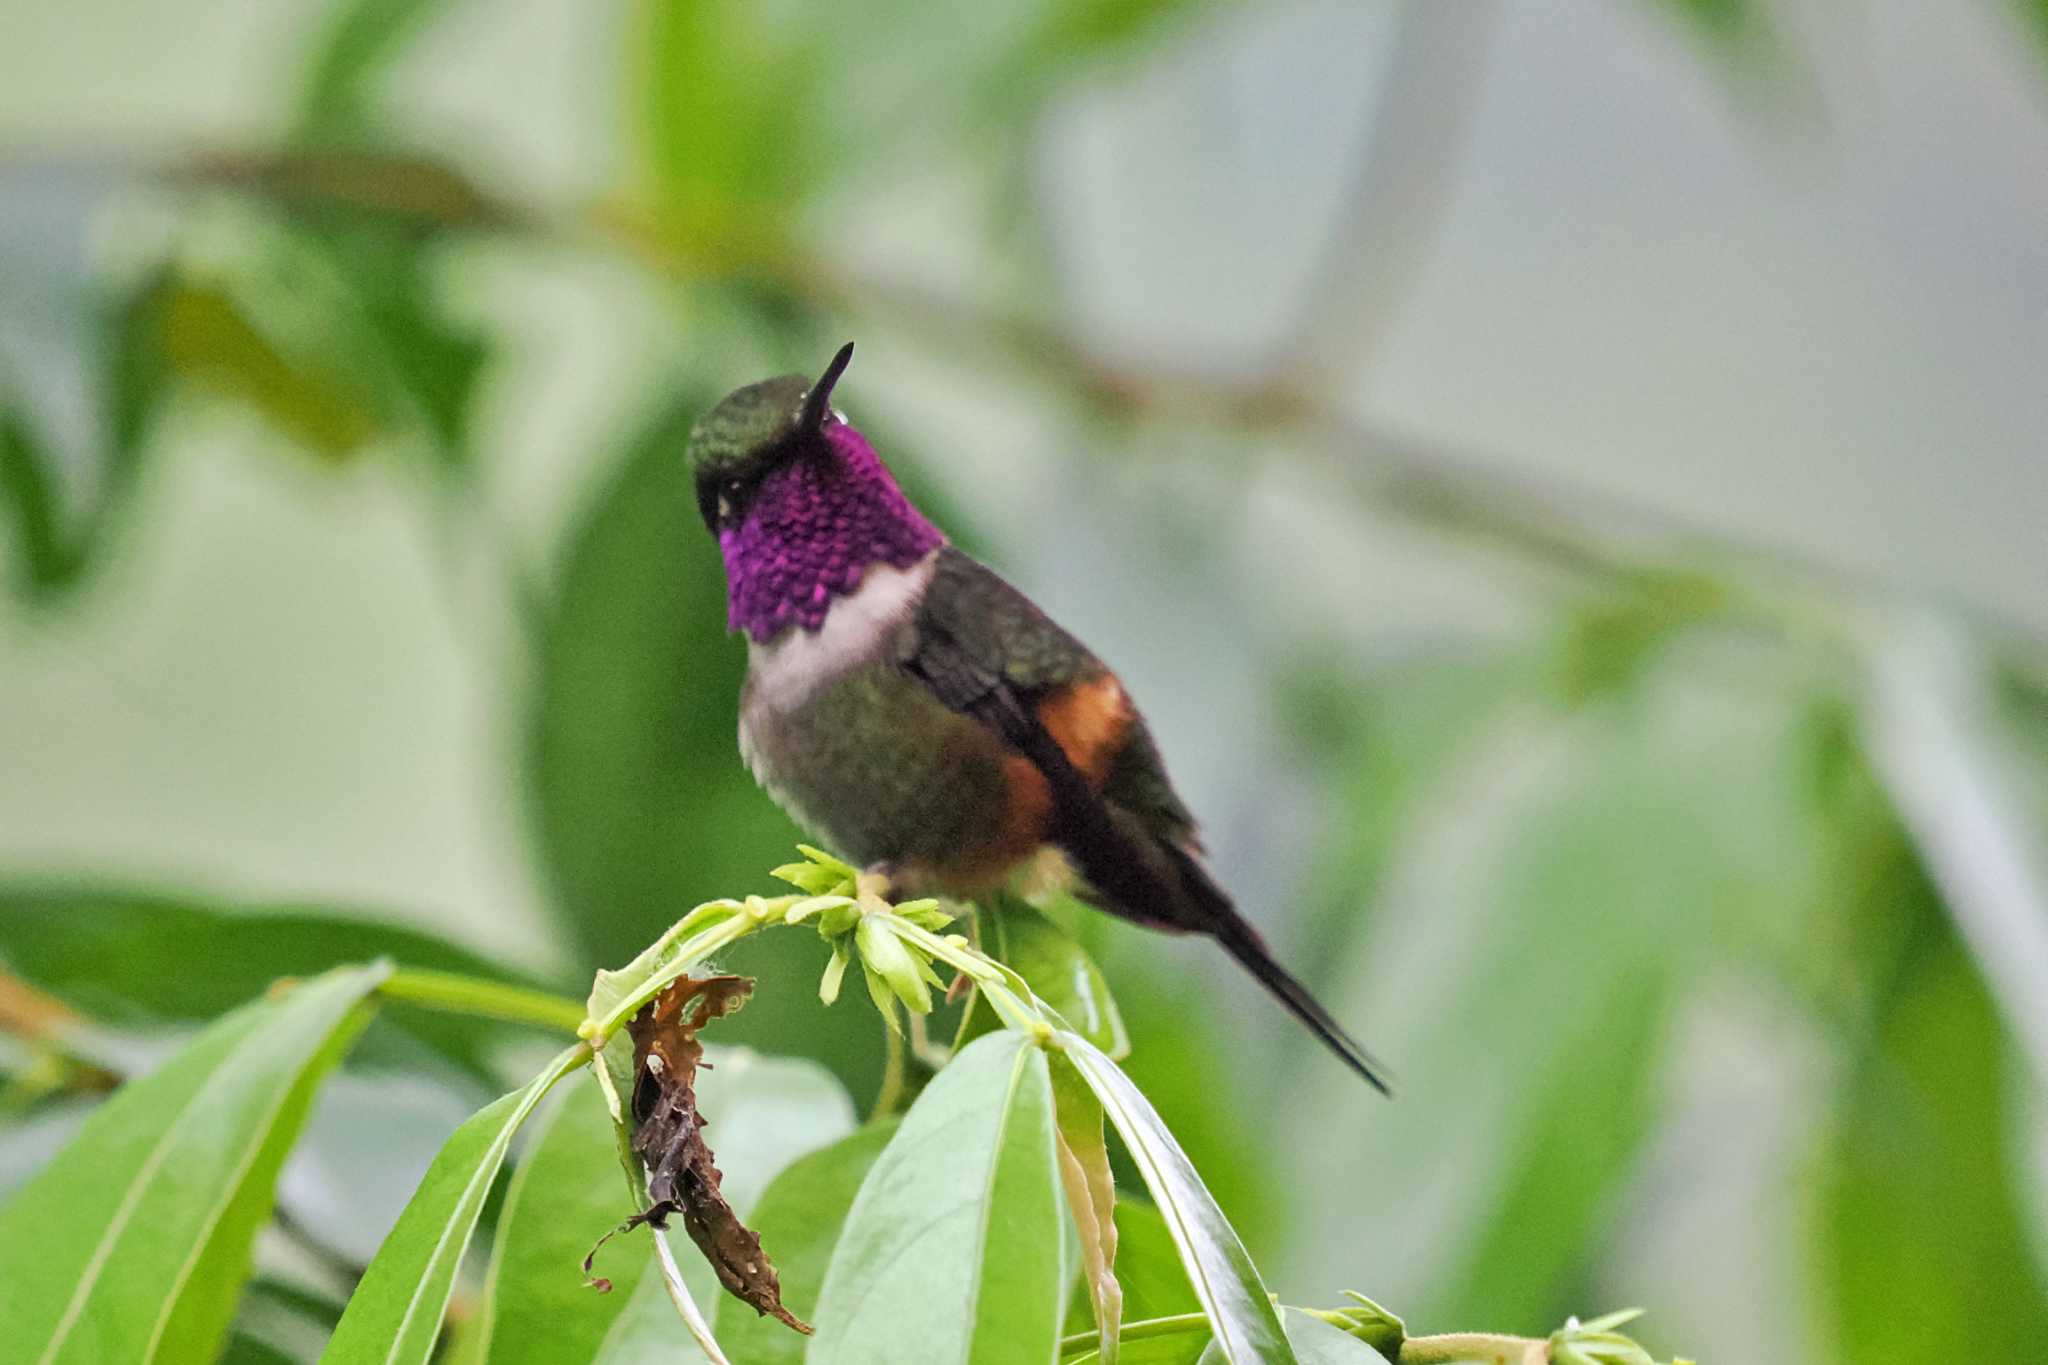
[457,994]
[1144,1329]
[889,1099]
[1474,1348]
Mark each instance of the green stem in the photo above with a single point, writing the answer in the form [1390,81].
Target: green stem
[1473,1348]
[1451,1348]
[890,1099]
[1144,1329]
[474,996]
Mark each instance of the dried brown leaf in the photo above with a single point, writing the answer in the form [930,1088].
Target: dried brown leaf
[668,1136]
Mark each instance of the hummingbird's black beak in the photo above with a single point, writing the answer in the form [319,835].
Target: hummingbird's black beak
[818,401]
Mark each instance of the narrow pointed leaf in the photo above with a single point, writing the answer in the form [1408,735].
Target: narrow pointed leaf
[134,1243]
[126,958]
[1919,1180]
[800,1218]
[1226,1282]
[564,1197]
[395,1316]
[951,1251]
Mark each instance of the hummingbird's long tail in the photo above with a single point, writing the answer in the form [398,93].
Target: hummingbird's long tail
[1156,880]
[1221,921]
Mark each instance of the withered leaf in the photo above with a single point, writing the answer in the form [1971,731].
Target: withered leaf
[668,1136]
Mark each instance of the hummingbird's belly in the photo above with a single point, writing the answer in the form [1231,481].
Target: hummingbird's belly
[878,769]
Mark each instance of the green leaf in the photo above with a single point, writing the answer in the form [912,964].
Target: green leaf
[1148,1264]
[209,339]
[800,1218]
[1315,1342]
[1922,1240]
[712,85]
[363,38]
[395,1315]
[1070,37]
[1058,970]
[1572,882]
[45,557]
[115,346]
[1225,1281]
[2034,14]
[134,1243]
[130,960]
[952,1245]
[1091,1196]
[566,1194]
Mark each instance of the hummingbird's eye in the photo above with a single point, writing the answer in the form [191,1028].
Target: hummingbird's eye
[730,494]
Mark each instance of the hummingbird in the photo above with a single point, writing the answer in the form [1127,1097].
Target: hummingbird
[916,713]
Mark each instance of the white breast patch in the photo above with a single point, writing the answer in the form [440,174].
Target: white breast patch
[785,671]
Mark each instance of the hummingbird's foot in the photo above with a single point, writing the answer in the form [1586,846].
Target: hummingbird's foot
[876,880]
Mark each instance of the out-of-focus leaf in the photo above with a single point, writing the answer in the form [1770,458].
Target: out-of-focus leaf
[30,1142]
[395,1314]
[1058,970]
[362,39]
[126,959]
[134,1243]
[566,1194]
[1069,37]
[1571,880]
[715,85]
[2034,13]
[644,807]
[1148,1264]
[1939,734]
[278,1321]
[372,1134]
[377,321]
[208,339]
[45,559]
[1724,21]
[954,1239]
[1384,739]
[75,417]
[801,1216]
[1091,1196]
[1576,1143]
[1223,1277]
[1607,646]
[1921,1240]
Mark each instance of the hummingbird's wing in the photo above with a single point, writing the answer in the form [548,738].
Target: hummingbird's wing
[986,651]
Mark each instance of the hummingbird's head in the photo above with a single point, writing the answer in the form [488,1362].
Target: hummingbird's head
[799,501]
